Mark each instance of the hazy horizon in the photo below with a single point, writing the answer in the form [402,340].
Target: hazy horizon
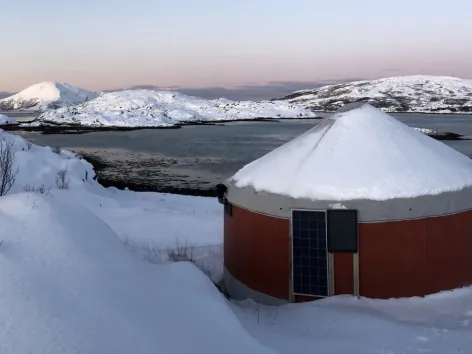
[212,46]
[250,92]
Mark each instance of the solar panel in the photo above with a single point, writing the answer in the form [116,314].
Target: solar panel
[309,253]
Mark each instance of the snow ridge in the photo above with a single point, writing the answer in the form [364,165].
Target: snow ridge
[424,94]
[149,108]
[46,95]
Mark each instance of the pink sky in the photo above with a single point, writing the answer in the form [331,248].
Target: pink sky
[116,44]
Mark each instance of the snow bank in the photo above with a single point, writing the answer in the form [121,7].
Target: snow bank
[148,223]
[39,166]
[152,224]
[148,108]
[47,95]
[69,286]
[440,323]
[360,154]
[4,120]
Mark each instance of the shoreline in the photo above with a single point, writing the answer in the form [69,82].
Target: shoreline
[121,182]
[409,112]
[71,130]
[82,129]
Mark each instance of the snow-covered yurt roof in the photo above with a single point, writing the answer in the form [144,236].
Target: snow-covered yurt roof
[358,153]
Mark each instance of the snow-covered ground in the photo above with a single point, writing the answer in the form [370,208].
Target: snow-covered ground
[148,108]
[420,93]
[46,95]
[70,286]
[440,324]
[5,120]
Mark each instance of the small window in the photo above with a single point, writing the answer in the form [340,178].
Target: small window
[342,231]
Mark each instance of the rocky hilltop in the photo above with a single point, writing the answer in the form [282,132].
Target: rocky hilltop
[422,94]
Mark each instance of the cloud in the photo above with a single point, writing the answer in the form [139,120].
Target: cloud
[248,92]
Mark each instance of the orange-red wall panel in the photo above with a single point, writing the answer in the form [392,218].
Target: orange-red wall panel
[396,259]
[343,273]
[415,257]
[257,251]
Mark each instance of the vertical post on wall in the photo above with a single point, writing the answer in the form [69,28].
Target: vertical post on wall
[331,284]
[355,267]
[291,296]
[342,234]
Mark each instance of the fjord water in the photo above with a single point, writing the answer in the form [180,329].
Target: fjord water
[201,156]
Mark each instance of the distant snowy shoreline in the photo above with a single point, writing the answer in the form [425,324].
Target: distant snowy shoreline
[403,94]
[392,112]
[55,128]
[149,108]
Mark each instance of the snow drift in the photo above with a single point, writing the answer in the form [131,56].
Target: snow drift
[439,324]
[69,286]
[46,95]
[362,153]
[39,166]
[148,108]
[426,94]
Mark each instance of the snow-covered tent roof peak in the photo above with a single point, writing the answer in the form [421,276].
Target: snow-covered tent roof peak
[358,153]
[350,106]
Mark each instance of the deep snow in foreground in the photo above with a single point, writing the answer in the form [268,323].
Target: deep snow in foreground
[5,120]
[46,95]
[70,286]
[360,154]
[418,93]
[440,323]
[148,108]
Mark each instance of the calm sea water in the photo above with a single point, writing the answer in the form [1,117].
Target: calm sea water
[198,156]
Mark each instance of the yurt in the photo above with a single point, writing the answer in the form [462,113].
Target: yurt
[361,204]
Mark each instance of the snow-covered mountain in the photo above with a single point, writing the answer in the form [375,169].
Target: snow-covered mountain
[46,95]
[149,108]
[428,94]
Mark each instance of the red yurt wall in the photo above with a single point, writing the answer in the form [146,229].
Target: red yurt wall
[257,252]
[396,259]
[415,257]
